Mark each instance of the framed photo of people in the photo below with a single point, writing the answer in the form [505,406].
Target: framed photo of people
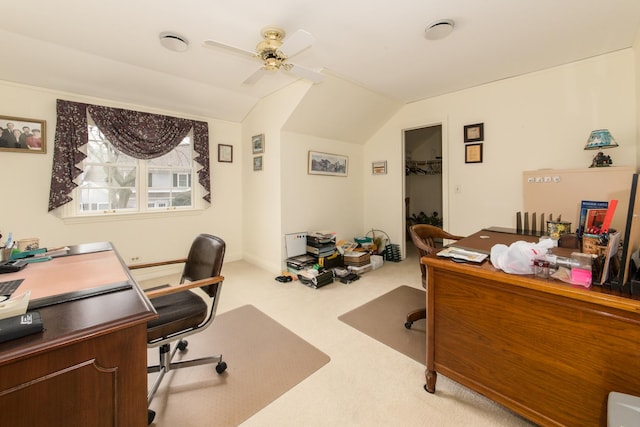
[23,135]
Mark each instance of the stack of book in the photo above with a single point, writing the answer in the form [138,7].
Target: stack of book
[321,245]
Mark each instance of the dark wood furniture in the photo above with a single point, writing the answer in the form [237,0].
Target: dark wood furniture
[547,350]
[88,367]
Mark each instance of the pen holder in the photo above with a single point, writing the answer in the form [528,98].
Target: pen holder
[5,254]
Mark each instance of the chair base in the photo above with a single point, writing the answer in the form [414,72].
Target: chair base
[166,365]
[414,316]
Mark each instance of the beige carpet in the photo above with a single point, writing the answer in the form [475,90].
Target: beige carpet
[383,319]
[264,359]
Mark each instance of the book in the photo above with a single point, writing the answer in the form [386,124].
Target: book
[585,206]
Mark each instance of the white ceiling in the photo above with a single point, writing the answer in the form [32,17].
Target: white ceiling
[110,49]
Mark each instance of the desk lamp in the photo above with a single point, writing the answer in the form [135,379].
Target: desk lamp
[598,140]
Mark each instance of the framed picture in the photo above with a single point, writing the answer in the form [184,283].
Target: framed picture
[379,168]
[473,153]
[257,163]
[474,133]
[23,135]
[225,153]
[327,164]
[257,144]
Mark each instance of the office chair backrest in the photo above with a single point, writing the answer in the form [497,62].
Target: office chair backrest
[204,261]
[423,236]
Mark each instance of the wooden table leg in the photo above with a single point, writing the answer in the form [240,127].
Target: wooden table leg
[431,377]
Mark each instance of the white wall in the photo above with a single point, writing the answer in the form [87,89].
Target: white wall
[320,202]
[538,120]
[25,193]
[261,190]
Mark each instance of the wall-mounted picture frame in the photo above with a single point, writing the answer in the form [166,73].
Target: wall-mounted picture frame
[473,153]
[474,133]
[327,164]
[225,153]
[23,135]
[257,144]
[257,163]
[379,167]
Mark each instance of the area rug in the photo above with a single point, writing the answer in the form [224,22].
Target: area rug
[264,360]
[383,319]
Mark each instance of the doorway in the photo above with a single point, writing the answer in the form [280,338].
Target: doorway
[423,176]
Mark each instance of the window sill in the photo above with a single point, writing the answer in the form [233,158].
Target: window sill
[114,217]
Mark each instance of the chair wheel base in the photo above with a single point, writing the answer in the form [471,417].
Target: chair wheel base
[408,325]
[151,415]
[221,367]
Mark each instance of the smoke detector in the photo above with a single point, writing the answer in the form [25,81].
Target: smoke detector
[438,29]
[173,41]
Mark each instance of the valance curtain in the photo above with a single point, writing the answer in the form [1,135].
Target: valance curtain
[137,134]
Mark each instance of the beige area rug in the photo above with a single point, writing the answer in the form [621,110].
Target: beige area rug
[264,359]
[383,319]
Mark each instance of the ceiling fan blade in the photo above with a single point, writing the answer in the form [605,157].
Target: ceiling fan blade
[215,44]
[306,73]
[296,43]
[257,75]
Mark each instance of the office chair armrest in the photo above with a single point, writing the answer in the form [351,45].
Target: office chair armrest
[183,287]
[157,264]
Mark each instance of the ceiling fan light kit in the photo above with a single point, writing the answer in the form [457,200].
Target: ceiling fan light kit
[173,42]
[438,30]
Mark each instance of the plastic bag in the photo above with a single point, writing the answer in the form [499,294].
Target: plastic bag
[518,257]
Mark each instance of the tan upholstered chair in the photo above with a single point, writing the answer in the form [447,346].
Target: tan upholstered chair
[183,312]
[424,238]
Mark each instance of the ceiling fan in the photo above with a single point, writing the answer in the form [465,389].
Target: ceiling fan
[275,53]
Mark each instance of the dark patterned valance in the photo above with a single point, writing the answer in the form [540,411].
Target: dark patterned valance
[139,135]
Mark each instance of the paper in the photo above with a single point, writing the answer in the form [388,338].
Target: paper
[457,253]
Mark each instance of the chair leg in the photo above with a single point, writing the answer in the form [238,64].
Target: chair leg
[415,315]
[165,365]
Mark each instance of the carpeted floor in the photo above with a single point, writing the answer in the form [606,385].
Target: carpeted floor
[383,319]
[264,359]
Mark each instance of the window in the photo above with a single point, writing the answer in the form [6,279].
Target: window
[113,182]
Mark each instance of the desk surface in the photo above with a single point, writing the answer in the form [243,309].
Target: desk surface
[90,269]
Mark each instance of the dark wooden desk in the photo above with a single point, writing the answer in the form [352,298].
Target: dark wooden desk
[547,350]
[88,367]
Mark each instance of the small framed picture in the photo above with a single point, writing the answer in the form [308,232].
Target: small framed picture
[23,135]
[379,167]
[257,144]
[225,153]
[474,133]
[473,153]
[257,163]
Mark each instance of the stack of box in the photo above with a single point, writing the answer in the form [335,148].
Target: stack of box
[357,262]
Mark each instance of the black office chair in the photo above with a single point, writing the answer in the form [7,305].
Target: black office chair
[423,237]
[183,312]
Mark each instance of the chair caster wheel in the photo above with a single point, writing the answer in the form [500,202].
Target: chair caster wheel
[408,325]
[151,414]
[221,367]
[182,345]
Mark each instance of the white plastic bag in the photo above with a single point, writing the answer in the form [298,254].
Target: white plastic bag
[518,258]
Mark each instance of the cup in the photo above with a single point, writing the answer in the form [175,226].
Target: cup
[5,254]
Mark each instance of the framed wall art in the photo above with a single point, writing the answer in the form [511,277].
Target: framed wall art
[257,144]
[473,153]
[474,133]
[327,164]
[225,153]
[379,168]
[23,135]
[257,163]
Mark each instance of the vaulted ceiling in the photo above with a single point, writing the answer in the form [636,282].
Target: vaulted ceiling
[111,49]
